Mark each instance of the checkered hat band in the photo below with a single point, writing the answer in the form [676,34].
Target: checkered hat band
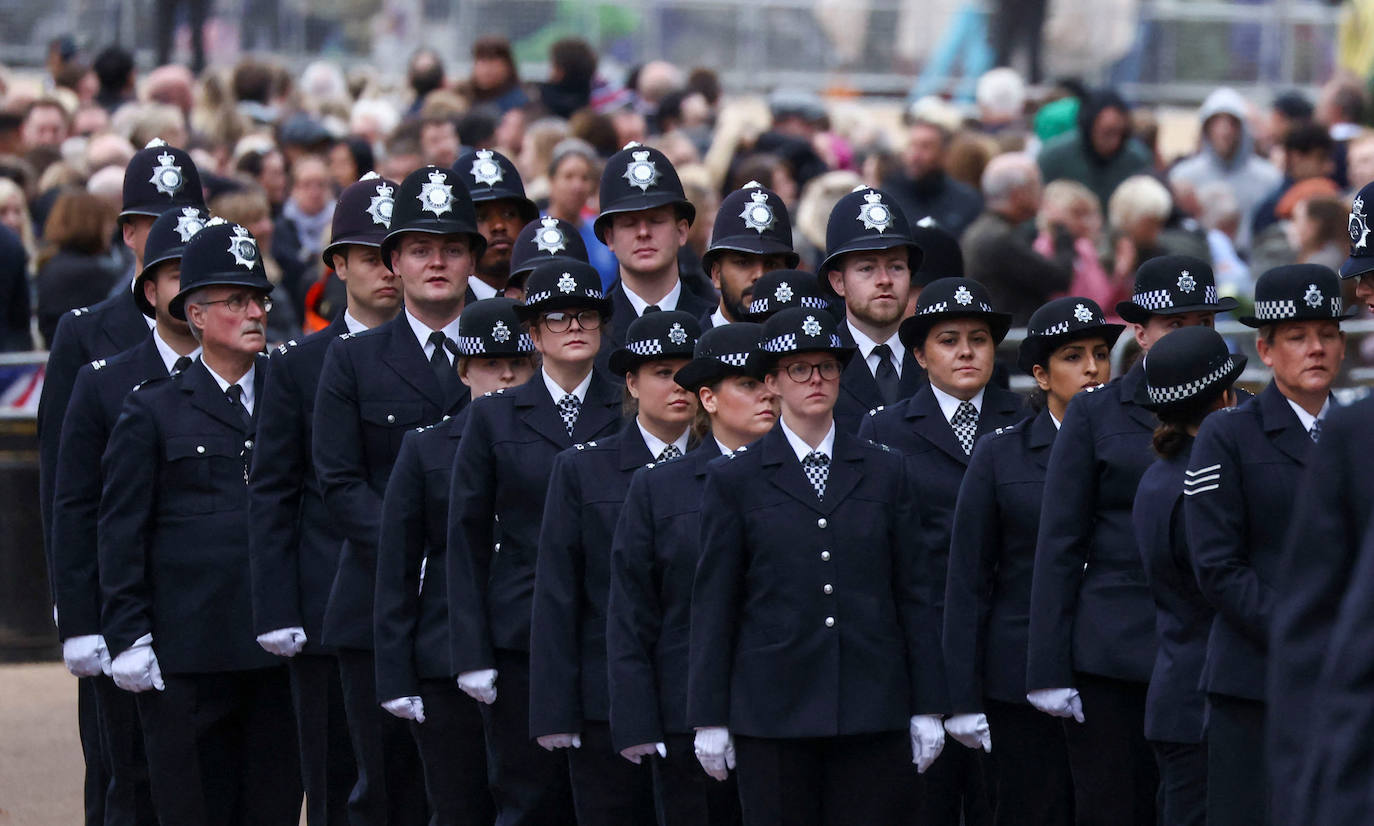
[1181,392]
[944,307]
[1275,310]
[477,346]
[1153,300]
[537,298]
[1209,294]
[648,347]
[811,302]
[781,344]
[733,359]
[1053,330]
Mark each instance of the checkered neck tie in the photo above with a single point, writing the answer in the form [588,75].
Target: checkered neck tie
[669,452]
[965,424]
[568,408]
[1315,431]
[817,467]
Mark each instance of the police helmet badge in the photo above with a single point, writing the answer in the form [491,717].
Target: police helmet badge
[1083,314]
[758,214]
[382,204]
[243,247]
[500,333]
[549,238]
[783,293]
[566,282]
[167,175]
[641,171]
[1313,296]
[963,296]
[1186,282]
[811,326]
[485,170]
[189,223]
[874,213]
[436,196]
[677,335]
[1359,225]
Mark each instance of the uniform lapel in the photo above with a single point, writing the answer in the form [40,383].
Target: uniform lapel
[845,472]
[1282,425]
[1000,408]
[534,406]
[928,421]
[634,452]
[406,357]
[150,363]
[913,375]
[622,313]
[600,409]
[125,324]
[206,395]
[1040,437]
[857,380]
[785,472]
[1130,385]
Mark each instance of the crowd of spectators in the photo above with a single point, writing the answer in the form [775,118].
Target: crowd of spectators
[1054,189]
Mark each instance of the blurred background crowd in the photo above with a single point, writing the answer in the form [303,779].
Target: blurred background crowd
[1038,143]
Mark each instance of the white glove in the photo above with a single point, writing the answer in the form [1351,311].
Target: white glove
[136,668]
[560,741]
[1058,702]
[479,685]
[715,749]
[407,708]
[284,642]
[85,655]
[636,754]
[927,740]
[971,730]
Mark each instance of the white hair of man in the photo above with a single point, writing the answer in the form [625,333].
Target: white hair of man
[1220,208]
[1139,196]
[1007,174]
[1001,95]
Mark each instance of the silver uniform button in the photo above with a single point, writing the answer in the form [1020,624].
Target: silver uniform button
[825,556]
[821,523]
[829,622]
[828,589]
[200,448]
[248,444]
[390,419]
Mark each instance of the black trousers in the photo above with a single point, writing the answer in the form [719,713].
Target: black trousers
[1182,783]
[166,28]
[685,795]
[607,789]
[96,781]
[952,791]
[1016,24]
[1028,769]
[453,750]
[1115,777]
[390,787]
[1237,776]
[857,780]
[128,797]
[530,784]
[222,749]
[327,767]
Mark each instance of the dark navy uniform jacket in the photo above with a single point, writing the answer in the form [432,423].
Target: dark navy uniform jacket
[859,390]
[918,429]
[295,543]
[812,618]
[1329,521]
[501,474]
[1099,620]
[572,584]
[173,533]
[1175,703]
[83,336]
[96,402]
[411,614]
[374,387]
[653,561]
[1236,528]
[623,312]
[991,557]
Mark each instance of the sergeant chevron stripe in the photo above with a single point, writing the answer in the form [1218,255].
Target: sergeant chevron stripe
[1201,480]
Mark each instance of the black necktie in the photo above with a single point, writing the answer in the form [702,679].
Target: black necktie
[439,363]
[652,308]
[181,364]
[235,395]
[889,383]
[1315,431]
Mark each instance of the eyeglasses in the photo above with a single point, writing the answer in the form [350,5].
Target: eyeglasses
[801,372]
[238,302]
[562,322]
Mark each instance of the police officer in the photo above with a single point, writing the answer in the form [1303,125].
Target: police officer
[569,698]
[1254,460]
[809,596]
[1092,631]
[653,560]
[992,547]
[1359,265]
[97,399]
[498,195]
[1187,377]
[644,220]
[374,387]
[869,260]
[546,239]
[177,610]
[941,257]
[411,614]
[752,235]
[295,543]
[158,178]
[777,290]
[500,476]
[953,337]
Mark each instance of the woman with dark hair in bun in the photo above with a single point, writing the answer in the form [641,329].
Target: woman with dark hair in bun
[992,550]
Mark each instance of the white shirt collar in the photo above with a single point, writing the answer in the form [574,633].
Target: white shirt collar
[718,318]
[1057,423]
[170,356]
[422,333]
[151,322]
[724,451]
[580,391]
[354,325]
[1307,419]
[1341,132]
[480,288]
[656,445]
[246,382]
[801,448]
[669,301]
[866,346]
[950,405]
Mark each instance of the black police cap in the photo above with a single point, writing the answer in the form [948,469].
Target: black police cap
[952,298]
[752,219]
[167,240]
[557,285]
[728,350]
[866,219]
[637,178]
[801,330]
[490,328]
[434,201]
[1361,258]
[780,289]
[221,254]
[1297,292]
[490,176]
[546,240]
[941,256]
[362,217]
[1187,367]
[656,336]
[158,178]
[1170,285]
[1059,322]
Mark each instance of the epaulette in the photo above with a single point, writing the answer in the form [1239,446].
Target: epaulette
[1094,388]
[1006,429]
[345,336]
[884,448]
[80,311]
[139,386]
[97,364]
[584,445]
[875,411]
[498,391]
